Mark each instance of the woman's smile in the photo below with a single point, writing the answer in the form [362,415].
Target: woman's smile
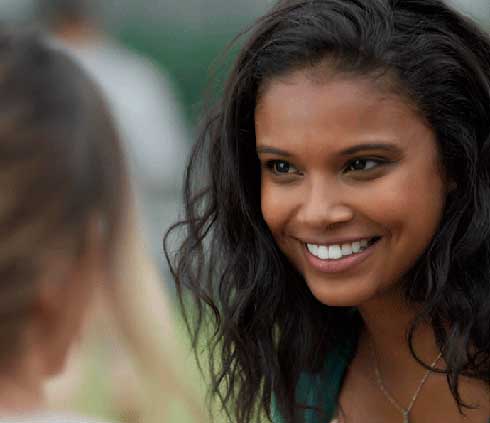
[352,189]
[341,256]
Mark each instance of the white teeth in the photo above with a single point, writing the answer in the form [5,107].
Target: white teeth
[346,249]
[323,252]
[313,249]
[336,251]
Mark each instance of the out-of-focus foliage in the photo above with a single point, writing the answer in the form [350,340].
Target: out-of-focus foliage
[191,37]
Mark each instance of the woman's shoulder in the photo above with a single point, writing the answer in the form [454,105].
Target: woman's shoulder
[321,389]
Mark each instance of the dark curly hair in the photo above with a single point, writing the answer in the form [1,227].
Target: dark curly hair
[266,326]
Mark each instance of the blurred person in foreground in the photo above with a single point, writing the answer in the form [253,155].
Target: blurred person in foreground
[63,209]
[153,136]
[143,103]
[68,231]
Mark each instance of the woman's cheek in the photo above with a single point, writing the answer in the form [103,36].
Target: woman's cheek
[272,203]
[279,203]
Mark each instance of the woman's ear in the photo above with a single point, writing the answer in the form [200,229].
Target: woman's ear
[52,310]
[65,292]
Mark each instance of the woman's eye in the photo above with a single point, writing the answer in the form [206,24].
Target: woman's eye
[281,167]
[362,164]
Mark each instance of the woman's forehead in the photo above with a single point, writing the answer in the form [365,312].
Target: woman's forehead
[296,108]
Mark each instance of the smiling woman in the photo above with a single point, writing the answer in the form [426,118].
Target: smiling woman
[343,167]
[341,242]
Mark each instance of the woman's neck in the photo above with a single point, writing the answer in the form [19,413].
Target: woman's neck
[387,321]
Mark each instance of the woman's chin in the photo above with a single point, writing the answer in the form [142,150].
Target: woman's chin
[342,295]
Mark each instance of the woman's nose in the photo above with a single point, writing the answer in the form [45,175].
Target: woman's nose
[325,205]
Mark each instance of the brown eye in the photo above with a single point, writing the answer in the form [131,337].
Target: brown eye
[362,164]
[281,167]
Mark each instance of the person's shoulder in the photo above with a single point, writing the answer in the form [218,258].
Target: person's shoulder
[321,389]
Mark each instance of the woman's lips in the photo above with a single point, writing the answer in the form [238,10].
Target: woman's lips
[342,264]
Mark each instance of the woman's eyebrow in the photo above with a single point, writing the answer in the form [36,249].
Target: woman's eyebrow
[391,148]
[265,149]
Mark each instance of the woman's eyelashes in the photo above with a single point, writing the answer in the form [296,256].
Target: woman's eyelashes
[364,165]
[281,167]
[358,167]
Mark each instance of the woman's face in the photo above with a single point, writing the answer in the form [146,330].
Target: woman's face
[352,188]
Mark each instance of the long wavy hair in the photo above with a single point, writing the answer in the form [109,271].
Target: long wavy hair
[262,324]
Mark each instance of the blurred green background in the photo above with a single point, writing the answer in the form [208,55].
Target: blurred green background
[184,37]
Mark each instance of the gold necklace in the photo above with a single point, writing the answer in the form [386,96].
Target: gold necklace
[404,411]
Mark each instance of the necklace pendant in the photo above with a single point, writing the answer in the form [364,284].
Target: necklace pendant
[405,417]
